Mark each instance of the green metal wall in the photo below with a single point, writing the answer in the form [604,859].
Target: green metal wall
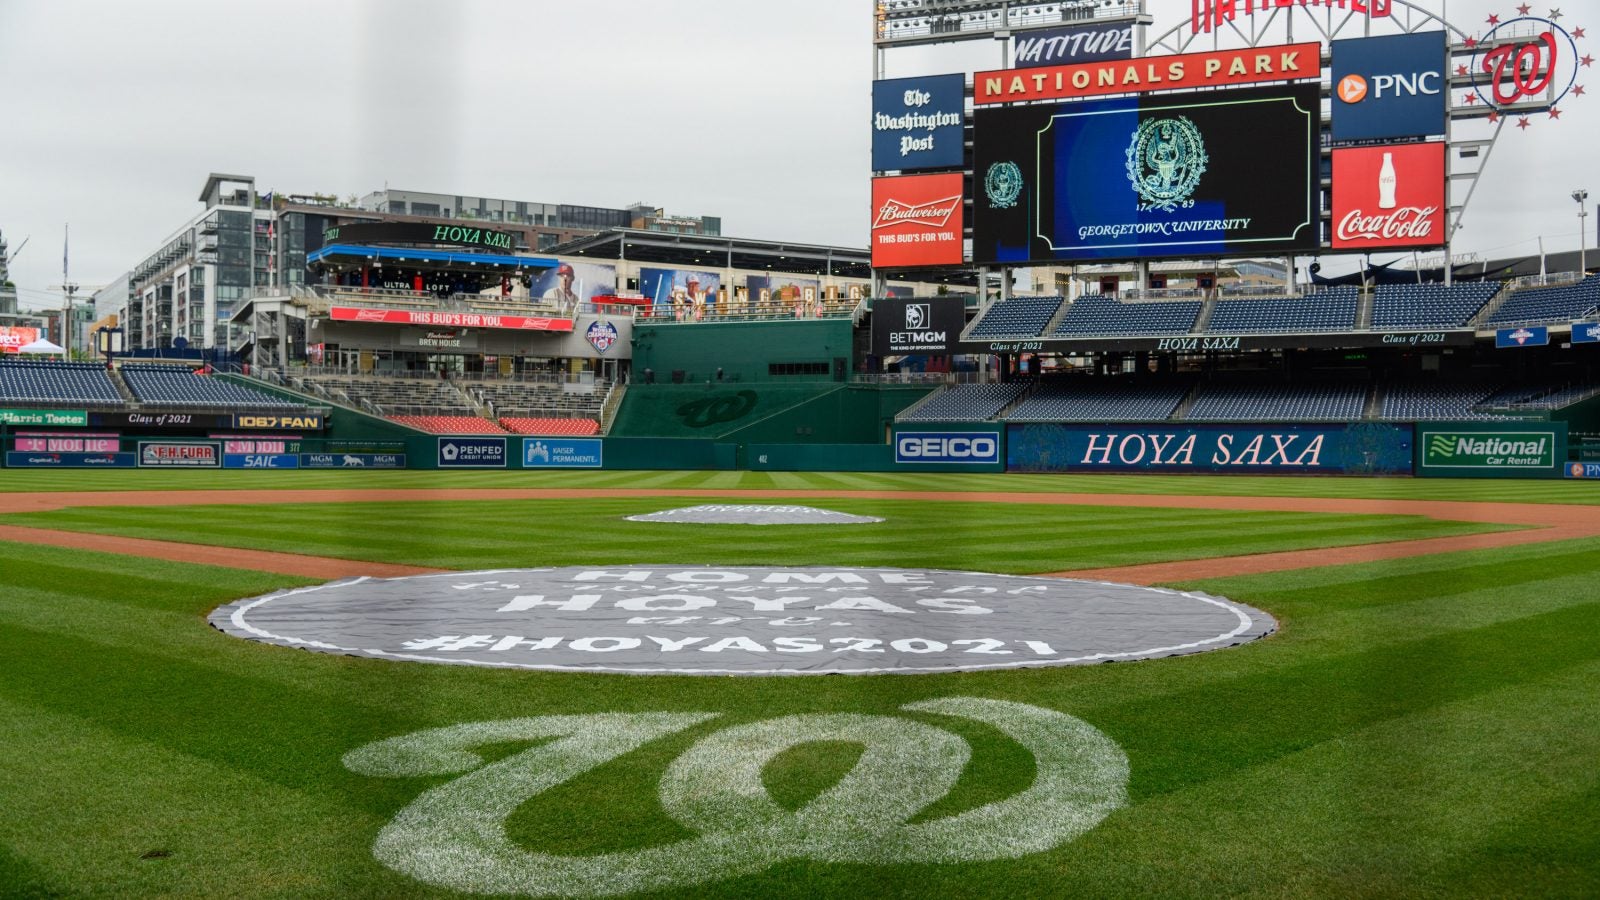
[743,350]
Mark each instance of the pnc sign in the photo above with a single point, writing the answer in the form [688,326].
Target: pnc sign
[1389,87]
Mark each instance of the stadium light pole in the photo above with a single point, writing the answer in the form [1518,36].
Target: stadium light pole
[1581,195]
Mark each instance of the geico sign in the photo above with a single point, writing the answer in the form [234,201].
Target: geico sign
[961,448]
[1355,88]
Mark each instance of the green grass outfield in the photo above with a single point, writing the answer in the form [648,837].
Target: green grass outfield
[1500,491]
[1428,726]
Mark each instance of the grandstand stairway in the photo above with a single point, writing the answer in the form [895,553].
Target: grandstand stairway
[1364,306]
[1489,309]
[1207,310]
[122,387]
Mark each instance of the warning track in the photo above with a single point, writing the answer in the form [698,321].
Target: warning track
[1539,523]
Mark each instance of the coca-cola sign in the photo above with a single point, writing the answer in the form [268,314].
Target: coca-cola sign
[916,221]
[1389,197]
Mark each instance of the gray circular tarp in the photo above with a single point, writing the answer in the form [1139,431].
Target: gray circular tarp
[746,514]
[743,620]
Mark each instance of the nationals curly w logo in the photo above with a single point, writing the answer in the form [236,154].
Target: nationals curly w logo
[717,410]
[453,835]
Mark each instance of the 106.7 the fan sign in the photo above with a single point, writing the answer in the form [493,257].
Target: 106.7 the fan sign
[1389,197]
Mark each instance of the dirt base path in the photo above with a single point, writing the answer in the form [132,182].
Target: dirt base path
[1542,522]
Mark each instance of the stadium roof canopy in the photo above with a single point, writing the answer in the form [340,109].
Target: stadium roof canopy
[690,250]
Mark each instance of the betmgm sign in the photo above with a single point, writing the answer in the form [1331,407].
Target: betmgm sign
[926,326]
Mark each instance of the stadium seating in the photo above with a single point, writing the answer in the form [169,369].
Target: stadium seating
[562,427]
[1430,305]
[966,403]
[1095,315]
[390,396]
[1085,399]
[35,382]
[1433,399]
[1331,310]
[1254,402]
[1552,304]
[449,424]
[1017,317]
[540,400]
[183,386]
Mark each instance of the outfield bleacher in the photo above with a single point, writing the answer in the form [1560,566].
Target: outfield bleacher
[1017,317]
[966,403]
[1430,305]
[1095,315]
[1330,310]
[1433,399]
[1233,401]
[1095,399]
[181,386]
[28,382]
[1549,304]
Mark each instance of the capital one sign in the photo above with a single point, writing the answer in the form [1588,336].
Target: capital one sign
[1389,197]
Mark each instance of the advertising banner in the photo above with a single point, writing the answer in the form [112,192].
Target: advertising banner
[918,123]
[420,233]
[917,221]
[26,460]
[930,325]
[785,290]
[156,454]
[1192,175]
[261,461]
[1212,69]
[1362,449]
[1583,470]
[572,282]
[1077,44]
[67,443]
[1513,338]
[561,453]
[437,319]
[972,448]
[472,453]
[145,421]
[1586,332]
[55,418]
[679,290]
[298,422]
[15,337]
[1464,337]
[1389,197]
[1389,87]
[1492,450]
[352,460]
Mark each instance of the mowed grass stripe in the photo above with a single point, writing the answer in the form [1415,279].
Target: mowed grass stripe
[1468,490]
[84,804]
[919,534]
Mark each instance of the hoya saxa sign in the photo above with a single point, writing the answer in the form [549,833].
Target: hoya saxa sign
[742,620]
[918,123]
[1253,449]
[1198,174]
[917,221]
[1389,87]
[1389,197]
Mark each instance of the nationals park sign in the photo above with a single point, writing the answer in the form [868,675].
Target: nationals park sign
[743,620]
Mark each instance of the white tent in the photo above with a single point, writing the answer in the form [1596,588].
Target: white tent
[42,345]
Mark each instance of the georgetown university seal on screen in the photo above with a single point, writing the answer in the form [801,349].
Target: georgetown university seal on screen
[1003,184]
[1165,162]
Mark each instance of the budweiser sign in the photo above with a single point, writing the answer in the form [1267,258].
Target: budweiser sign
[440,319]
[934,213]
[917,221]
[1389,197]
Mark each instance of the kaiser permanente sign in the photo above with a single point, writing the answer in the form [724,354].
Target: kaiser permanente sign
[1222,68]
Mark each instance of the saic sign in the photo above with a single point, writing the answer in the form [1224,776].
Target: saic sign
[453,835]
[971,448]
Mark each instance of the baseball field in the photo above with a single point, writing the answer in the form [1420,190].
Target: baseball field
[1424,722]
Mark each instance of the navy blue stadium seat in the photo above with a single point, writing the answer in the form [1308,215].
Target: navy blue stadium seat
[182,386]
[1095,315]
[1430,305]
[1330,310]
[1017,317]
[1253,402]
[1095,399]
[50,382]
[1553,304]
[966,403]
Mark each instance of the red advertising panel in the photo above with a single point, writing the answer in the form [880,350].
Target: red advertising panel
[916,221]
[1217,68]
[447,319]
[1388,197]
[15,337]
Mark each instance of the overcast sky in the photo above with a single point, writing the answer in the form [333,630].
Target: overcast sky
[115,112]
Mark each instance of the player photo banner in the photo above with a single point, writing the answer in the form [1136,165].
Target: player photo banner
[572,282]
[1389,197]
[917,221]
[1148,177]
